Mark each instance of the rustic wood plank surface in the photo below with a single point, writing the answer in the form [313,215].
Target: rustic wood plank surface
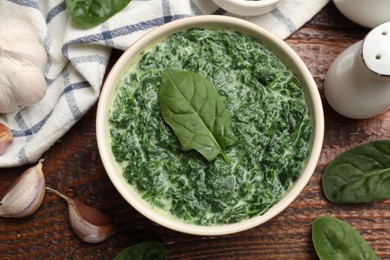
[73,167]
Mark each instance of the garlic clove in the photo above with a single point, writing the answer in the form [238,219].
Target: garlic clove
[6,138]
[89,224]
[26,194]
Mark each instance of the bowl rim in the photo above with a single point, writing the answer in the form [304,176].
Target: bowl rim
[121,66]
[251,4]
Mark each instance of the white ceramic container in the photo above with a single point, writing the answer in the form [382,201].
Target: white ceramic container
[247,7]
[368,13]
[357,84]
[281,49]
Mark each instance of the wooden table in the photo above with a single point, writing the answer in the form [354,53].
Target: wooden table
[73,167]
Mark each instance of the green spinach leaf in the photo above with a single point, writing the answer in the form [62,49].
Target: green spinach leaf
[335,239]
[191,105]
[359,175]
[143,251]
[90,13]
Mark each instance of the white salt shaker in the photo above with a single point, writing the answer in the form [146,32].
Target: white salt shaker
[357,84]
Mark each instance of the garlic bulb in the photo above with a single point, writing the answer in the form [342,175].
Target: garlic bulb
[22,63]
[26,194]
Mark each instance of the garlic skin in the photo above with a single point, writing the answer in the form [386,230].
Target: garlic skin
[22,63]
[25,195]
[89,224]
[6,138]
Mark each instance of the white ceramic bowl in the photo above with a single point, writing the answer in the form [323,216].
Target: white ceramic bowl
[247,7]
[280,48]
[365,13]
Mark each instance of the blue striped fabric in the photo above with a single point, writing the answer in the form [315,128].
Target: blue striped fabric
[77,59]
[31,4]
[61,7]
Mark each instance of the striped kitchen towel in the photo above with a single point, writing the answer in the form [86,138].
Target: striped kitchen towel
[77,59]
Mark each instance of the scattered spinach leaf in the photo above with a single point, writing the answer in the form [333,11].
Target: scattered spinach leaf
[191,105]
[143,251]
[359,175]
[335,239]
[90,13]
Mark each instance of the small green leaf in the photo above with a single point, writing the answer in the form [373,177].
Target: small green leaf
[191,105]
[90,13]
[143,251]
[359,175]
[335,239]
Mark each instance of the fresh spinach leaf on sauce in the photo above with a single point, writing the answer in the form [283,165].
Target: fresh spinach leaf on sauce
[192,107]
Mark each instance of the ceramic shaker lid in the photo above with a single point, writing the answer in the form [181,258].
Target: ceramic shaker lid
[376,49]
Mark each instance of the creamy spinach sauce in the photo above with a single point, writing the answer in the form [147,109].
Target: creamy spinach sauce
[269,117]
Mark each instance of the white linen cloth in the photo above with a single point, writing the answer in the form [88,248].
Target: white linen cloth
[77,58]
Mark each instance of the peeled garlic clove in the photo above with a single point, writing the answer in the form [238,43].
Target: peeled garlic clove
[89,224]
[6,138]
[26,194]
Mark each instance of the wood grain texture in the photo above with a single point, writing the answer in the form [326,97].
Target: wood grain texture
[73,167]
